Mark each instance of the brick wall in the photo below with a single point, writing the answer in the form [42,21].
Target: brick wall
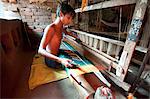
[37,15]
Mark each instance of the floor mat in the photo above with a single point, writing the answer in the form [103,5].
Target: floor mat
[41,74]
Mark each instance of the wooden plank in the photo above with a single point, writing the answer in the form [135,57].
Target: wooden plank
[141,49]
[142,67]
[117,81]
[86,39]
[83,37]
[90,41]
[113,77]
[136,61]
[101,45]
[145,39]
[105,47]
[101,77]
[102,53]
[85,68]
[109,50]
[113,52]
[95,43]
[106,4]
[101,57]
[120,17]
[133,34]
[85,89]
[100,38]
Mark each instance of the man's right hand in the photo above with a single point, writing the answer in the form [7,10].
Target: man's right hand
[66,62]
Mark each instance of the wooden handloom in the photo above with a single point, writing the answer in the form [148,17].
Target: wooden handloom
[107,50]
[82,66]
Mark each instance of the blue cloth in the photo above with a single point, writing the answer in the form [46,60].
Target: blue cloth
[51,63]
[54,64]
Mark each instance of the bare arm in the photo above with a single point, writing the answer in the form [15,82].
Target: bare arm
[48,34]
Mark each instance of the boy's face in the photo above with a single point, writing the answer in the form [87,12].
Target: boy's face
[66,19]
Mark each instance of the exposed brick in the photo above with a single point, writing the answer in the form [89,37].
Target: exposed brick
[38,13]
[44,18]
[29,20]
[35,17]
[42,10]
[23,17]
[30,23]
[28,13]
[24,5]
[22,9]
[48,13]
[28,10]
[41,26]
[28,16]
[47,23]
[32,6]
[36,23]
[43,7]
[34,10]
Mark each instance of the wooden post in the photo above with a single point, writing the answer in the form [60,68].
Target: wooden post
[85,90]
[105,47]
[86,39]
[109,50]
[101,45]
[146,34]
[83,36]
[95,43]
[132,38]
[90,41]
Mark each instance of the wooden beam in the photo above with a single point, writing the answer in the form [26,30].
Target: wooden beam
[109,49]
[145,39]
[95,70]
[132,38]
[101,45]
[99,37]
[106,4]
[95,43]
[90,41]
[102,39]
[101,57]
[106,58]
[141,49]
[116,80]
[85,90]
[101,53]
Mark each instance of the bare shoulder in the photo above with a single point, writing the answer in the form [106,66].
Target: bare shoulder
[49,28]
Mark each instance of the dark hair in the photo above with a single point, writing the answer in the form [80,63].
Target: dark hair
[67,9]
